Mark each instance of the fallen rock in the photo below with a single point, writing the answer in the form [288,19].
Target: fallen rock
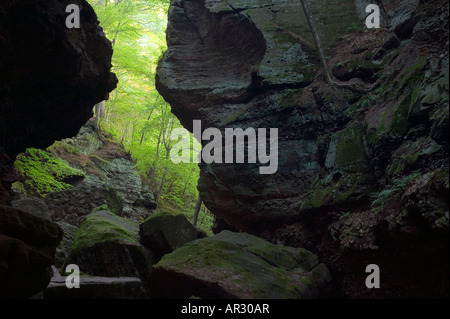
[68,206]
[96,288]
[34,206]
[162,233]
[27,248]
[107,245]
[238,265]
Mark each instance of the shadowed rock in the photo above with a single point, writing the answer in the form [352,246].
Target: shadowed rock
[27,249]
[238,265]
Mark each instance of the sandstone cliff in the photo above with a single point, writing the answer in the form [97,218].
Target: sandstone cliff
[363,174]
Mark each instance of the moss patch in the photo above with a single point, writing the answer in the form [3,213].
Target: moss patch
[351,187]
[42,173]
[114,202]
[350,153]
[103,227]
[409,152]
[247,266]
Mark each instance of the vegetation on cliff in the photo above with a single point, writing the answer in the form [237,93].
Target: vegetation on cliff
[136,115]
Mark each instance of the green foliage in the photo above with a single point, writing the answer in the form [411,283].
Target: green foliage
[136,114]
[42,173]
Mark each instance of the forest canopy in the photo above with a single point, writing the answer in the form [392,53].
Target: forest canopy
[135,114]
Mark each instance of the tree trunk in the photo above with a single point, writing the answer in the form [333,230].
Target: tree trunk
[316,38]
[198,205]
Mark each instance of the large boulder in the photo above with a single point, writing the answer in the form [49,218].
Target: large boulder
[27,249]
[107,245]
[34,206]
[162,233]
[238,265]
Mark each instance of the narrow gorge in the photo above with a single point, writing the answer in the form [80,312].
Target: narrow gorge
[362,160]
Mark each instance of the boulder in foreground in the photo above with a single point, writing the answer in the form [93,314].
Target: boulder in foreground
[238,265]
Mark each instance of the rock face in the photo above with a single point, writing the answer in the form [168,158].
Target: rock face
[27,249]
[51,95]
[93,171]
[111,179]
[34,206]
[50,79]
[267,60]
[107,245]
[162,233]
[238,265]
[360,172]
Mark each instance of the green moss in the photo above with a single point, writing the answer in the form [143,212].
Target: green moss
[414,97]
[103,207]
[349,188]
[290,98]
[43,173]
[409,152]
[242,262]
[382,197]
[114,202]
[350,150]
[362,64]
[104,227]
[413,74]
[399,123]
[234,116]
[62,145]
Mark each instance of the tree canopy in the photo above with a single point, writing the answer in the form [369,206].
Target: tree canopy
[136,114]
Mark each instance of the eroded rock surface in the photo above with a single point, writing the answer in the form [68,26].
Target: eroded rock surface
[239,265]
[362,174]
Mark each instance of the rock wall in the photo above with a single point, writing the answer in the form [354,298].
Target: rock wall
[363,174]
[50,78]
[111,179]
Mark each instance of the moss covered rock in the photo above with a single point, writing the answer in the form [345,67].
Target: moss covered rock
[104,226]
[107,245]
[163,232]
[238,265]
[42,173]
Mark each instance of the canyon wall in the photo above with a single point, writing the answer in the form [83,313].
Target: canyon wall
[362,168]
[50,79]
